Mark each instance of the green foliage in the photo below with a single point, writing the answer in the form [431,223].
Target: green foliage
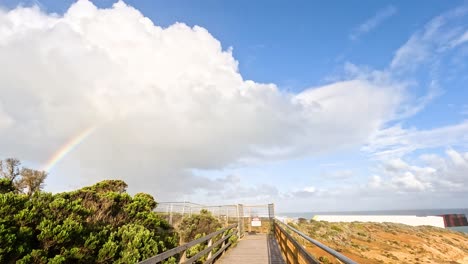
[203,223]
[233,238]
[6,185]
[106,186]
[336,228]
[324,260]
[95,224]
[197,226]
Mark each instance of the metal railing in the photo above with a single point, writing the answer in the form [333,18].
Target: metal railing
[223,241]
[173,212]
[293,252]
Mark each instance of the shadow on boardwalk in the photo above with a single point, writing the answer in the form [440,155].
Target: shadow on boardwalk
[274,252]
[254,248]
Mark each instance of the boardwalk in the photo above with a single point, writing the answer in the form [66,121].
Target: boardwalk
[259,248]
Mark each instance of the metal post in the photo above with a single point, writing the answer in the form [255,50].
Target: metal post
[240,218]
[170,216]
[271,215]
[227,215]
[250,220]
[238,223]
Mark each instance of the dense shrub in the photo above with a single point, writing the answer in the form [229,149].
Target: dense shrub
[96,224]
[197,226]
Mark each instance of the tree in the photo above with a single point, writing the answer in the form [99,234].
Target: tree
[16,179]
[31,180]
[10,168]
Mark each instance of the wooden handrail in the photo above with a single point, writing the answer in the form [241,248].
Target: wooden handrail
[208,249]
[171,252]
[330,251]
[292,251]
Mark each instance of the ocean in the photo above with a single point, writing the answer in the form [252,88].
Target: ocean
[418,212]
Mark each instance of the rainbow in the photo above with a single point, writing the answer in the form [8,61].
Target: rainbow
[71,144]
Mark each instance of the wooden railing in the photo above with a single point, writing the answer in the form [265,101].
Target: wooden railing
[294,252]
[223,241]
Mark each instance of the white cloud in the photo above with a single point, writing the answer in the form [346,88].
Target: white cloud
[439,174]
[396,165]
[231,190]
[164,101]
[339,174]
[373,22]
[424,46]
[434,181]
[375,182]
[5,120]
[436,174]
[408,181]
[462,39]
[306,192]
[395,142]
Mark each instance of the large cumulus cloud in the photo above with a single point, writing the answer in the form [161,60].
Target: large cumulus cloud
[164,101]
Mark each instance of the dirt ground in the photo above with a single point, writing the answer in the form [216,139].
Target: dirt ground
[387,242]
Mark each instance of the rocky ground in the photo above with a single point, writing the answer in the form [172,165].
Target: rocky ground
[387,242]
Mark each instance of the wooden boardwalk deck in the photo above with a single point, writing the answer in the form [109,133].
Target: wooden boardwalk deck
[258,248]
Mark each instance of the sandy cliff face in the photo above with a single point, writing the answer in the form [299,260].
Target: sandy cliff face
[388,242]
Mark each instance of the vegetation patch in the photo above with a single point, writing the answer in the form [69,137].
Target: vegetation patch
[95,224]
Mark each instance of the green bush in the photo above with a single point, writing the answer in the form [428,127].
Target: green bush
[95,224]
[197,226]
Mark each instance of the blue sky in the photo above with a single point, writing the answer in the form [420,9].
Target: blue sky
[404,62]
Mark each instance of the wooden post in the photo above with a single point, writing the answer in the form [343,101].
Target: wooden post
[183,258]
[224,241]
[296,255]
[209,245]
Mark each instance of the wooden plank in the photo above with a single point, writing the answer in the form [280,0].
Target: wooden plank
[259,248]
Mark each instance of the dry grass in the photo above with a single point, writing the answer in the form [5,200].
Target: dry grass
[388,242]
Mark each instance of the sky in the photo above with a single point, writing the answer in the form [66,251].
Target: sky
[313,106]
